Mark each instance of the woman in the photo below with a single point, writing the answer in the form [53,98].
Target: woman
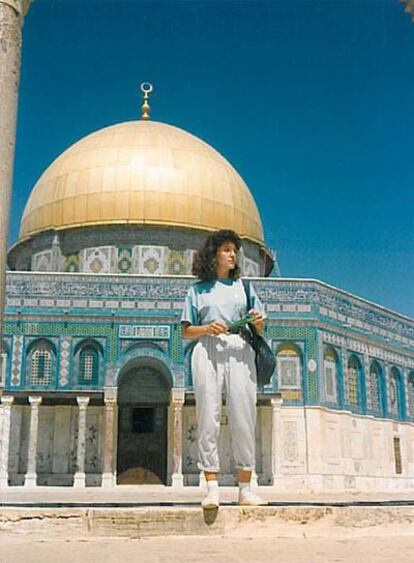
[223,358]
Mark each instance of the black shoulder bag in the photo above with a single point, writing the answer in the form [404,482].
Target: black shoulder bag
[265,359]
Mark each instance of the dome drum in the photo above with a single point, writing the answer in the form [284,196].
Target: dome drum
[121,249]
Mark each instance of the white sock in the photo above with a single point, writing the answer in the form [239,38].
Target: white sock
[244,488]
[212,486]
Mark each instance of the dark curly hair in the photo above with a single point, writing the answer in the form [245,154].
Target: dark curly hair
[204,263]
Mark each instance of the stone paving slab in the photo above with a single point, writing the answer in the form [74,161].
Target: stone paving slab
[382,548]
[161,521]
[161,494]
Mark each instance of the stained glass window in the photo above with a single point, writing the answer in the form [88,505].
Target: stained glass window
[394,382]
[89,365]
[288,368]
[330,364]
[41,367]
[352,392]
[373,388]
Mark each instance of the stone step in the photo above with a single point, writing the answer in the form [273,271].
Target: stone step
[228,520]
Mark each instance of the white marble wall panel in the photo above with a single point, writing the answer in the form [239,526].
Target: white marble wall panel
[74,423]
[98,260]
[293,440]
[264,445]
[364,446]
[94,435]
[61,439]
[15,436]
[45,439]
[190,448]
[24,438]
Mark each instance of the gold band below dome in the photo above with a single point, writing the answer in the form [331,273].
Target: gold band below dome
[143,173]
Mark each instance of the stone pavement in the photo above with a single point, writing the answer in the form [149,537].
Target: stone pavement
[147,494]
[195,549]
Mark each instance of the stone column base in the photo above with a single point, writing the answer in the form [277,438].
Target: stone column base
[79,480]
[4,481]
[108,480]
[30,480]
[177,480]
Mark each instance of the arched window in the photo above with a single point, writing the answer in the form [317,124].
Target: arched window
[374,388]
[41,366]
[353,387]
[330,367]
[395,393]
[410,394]
[288,366]
[89,365]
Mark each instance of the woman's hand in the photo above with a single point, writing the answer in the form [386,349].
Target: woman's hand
[258,321]
[215,328]
[193,332]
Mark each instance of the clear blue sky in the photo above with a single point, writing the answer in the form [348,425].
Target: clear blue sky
[312,102]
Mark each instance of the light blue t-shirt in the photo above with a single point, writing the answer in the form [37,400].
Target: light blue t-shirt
[221,300]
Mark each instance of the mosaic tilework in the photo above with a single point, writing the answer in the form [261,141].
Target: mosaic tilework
[42,261]
[151,260]
[17,360]
[364,348]
[64,360]
[125,260]
[97,260]
[297,334]
[177,262]
[71,262]
[190,254]
[177,343]
[304,296]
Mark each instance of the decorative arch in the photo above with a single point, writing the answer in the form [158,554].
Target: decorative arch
[155,357]
[40,369]
[88,362]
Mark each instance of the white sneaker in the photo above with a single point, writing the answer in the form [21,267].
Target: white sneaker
[250,499]
[211,501]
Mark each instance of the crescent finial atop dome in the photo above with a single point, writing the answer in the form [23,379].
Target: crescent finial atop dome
[146,89]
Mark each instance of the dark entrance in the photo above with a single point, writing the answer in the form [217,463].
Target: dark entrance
[143,397]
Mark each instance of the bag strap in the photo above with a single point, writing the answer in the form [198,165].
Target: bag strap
[246,285]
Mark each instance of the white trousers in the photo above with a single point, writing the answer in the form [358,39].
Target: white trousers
[225,363]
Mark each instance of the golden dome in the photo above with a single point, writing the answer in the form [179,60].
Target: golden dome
[141,172]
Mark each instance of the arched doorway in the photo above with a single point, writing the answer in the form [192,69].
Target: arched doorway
[143,398]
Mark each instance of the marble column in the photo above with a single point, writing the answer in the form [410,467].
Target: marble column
[30,479]
[80,477]
[108,475]
[276,438]
[177,402]
[6,406]
[11,21]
